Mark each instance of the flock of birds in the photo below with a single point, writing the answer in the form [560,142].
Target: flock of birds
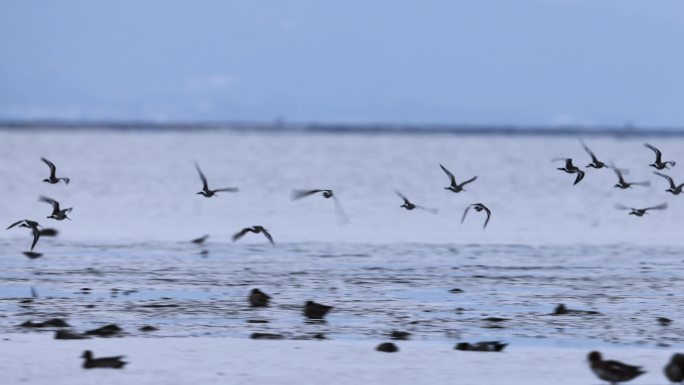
[608,370]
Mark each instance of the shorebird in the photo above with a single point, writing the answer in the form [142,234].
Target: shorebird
[258,298]
[641,212]
[478,207]
[674,189]
[57,214]
[315,310]
[53,179]
[103,362]
[33,225]
[340,215]
[595,163]
[410,206]
[571,169]
[624,184]
[255,230]
[659,164]
[200,240]
[674,371]
[485,346]
[455,187]
[205,187]
[612,371]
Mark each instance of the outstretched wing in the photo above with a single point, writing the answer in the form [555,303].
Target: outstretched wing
[15,223]
[268,236]
[36,235]
[658,154]
[621,207]
[489,215]
[618,173]
[468,181]
[340,215]
[465,213]
[661,206]
[402,197]
[431,211]
[299,194]
[580,176]
[672,184]
[451,176]
[204,178]
[241,233]
[227,189]
[53,169]
[54,203]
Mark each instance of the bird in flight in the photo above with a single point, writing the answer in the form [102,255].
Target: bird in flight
[624,184]
[571,169]
[478,207]
[200,240]
[408,205]
[56,212]
[641,212]
[595,163]
[340,215]
[455,187]
[674,189]
[205,187]
[255,230]
[53,179]
[659,164]
[33,225]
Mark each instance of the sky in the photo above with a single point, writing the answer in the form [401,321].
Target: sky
[523,62]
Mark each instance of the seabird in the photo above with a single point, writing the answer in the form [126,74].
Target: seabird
[255,230]
[674,371]
[56,212]
[455,187]
[258,298]
[103,362]
[478,207]
[485,346]
[410,206]
[342,218]
[33,225]
[674,189]
[641,212]
[205,187]
[625,185]
[658,164]
[612,371]
[571,169]
[53,179]
[315,310]
[595,163]
[200,240]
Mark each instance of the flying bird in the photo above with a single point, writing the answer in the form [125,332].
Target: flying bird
[103,362]
[57,214]
[53,179]
[255,230]
[641,212]
[410,206]
[455,187]
[571,169]
[612,371]
[624,184]
[205,187]
[478,207]
[595,163]
[674,189]
[340,215]
[33,225]
[659,164]
[200,240]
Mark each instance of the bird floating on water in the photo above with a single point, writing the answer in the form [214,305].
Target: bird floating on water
[595,163]
[255,230]
[53,179]
[258,298]
[624,184]
[674,370]
[478,207]
[408,205]
[659,164]
[641,212]
[315,310]
[612,371]
[340,215]
[674,189]
[455,187]
[205,187]
[56,212]
[103,362]
[485,346]
[571,169]
[33,225]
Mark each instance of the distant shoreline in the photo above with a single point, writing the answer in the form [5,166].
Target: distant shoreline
[342,128]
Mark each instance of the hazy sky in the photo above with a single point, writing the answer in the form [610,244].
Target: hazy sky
[478,62]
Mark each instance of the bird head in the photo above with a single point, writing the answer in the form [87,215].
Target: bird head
[87,355]
[594,356]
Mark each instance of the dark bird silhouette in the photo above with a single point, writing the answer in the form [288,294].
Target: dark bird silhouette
[56,212]
[315,310]
[571,169]
[258,298]
[641,212]
[478,207]
[103,362]
[255,230]
[674,370]
[33,225]
[455,187]
[561,309]
[674,189]
[53,179]
[485,346]
[32,254]
[410,206]
[205,187]
[595,163]
[624,184]
[612,371]
[340,215]
[659,164]
[200,240]
[49,232]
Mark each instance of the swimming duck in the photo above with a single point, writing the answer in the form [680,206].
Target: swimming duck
[612,371]
[478,207]
[53,179]
[205,187]
[315,310]
[485,346]
[258,298]
[455,187]
[103,362]
[255,230]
